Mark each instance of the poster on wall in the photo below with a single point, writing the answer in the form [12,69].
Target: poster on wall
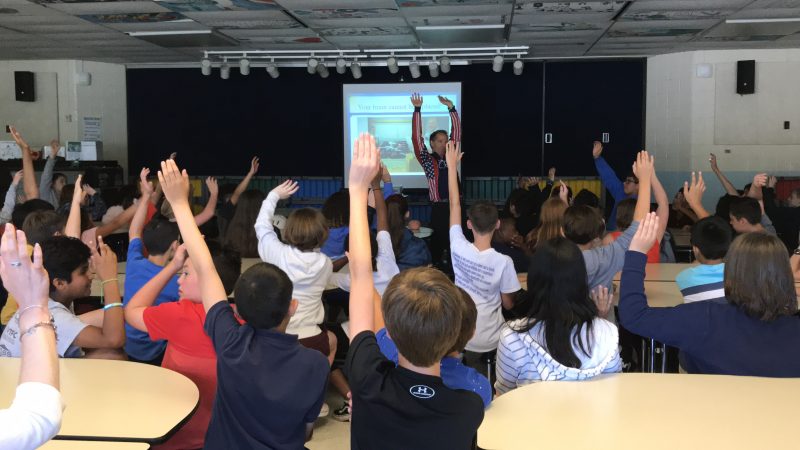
[91,128]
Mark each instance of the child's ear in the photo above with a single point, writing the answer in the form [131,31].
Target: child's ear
[469,224]
[293,307]
[59,284]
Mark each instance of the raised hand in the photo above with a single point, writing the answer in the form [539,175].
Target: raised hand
[712,158]
[597,149]
[454,154]
[563,192]
[286,189]
[18,139]
[104,260]
[145,186]
[174,183]
[54,146]
[173,156]
[385,175]
[446,102]
[760,180]
[17,178]
[78,193]
[646,234]
[179,259]
[376,182]
[27,281]
[602,299]
[253,166]
[416,100]
[89,190]
[213,187]
[694,193]
[771,182]
[365,162]
[643,167]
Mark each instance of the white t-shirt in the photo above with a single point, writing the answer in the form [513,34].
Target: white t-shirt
[385,262]
[68,327]
[484,275]
[33,419]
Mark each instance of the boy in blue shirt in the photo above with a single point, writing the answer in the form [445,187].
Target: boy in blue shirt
[710,240]
[160,239]
[269,387]
[455,374]
[620,190]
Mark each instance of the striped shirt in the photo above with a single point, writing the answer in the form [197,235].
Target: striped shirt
[702,282]
[432,163]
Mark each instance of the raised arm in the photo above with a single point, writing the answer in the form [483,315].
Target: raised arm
[453,157]
[73,226]
[607,175]
[365,164]
[643,168]
[455,121]
[176,189]
[140,214]
[211,206]
[46,181]
[269,246]
[241,187]
[11,199]
[663,206]
[112,333]
[694,195]
[146,296]
[417,140]
[117,222]
[756,187]
[726,183]
[28,174]
[380,202]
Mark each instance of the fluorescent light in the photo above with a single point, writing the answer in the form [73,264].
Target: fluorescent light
[778,20]
[460,27]
[167,33]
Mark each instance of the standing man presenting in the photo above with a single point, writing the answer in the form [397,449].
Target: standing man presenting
[435,167]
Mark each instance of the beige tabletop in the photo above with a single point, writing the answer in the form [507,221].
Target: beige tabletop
[646,411]
[659,294]
[117,400]
[662,271]
[93,445]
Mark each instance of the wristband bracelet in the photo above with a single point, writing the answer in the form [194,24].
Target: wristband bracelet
[34,327]
[29,308]
[103,283]
[112,305]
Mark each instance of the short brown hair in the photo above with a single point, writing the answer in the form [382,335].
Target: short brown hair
[758,277]
[625,210]
[422,310]
[306,229]
[41,225]
[469,320]
[483,215]
[582,224]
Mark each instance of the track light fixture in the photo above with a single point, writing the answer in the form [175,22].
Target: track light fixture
[444,64]
[391,63]
[272,70]
[322,70]
[497,63]
[433,67]
[205,66]
[224,71]
[341,66]
[517,66]
[413,67]
[312,65]
[356,69]
[244,66]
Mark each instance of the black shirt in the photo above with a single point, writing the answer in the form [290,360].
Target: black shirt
[395,408]
[268,385]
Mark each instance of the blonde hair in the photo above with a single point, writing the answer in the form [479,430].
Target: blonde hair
[551,220]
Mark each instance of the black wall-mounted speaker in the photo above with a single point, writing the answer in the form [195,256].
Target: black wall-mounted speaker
[23,87]
[746,77]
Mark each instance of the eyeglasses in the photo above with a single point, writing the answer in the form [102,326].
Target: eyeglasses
[631,180]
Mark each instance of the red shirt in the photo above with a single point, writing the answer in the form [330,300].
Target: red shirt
[189,352]
[653,255]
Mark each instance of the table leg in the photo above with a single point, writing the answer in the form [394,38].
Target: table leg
[652,355]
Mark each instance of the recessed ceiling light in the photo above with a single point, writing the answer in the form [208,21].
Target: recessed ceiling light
[460,27]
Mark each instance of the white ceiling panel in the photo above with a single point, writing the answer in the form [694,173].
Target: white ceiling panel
[465,10]
[405,40]
[108,7]
[733,30]
[456,20]
[261,33]
[603,7]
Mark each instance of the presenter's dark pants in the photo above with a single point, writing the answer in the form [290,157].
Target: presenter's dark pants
[440,223]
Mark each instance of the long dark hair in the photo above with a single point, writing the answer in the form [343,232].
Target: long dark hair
[241,234]
[336,209]
[558,297]
[396,209]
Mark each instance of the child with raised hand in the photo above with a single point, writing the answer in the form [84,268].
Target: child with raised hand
[487,275]
[269,388]
[300,258]
[755,333]
[404,406]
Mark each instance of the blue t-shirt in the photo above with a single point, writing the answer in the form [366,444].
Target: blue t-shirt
[334,245]
[455,375]
[137,273]
[268,385]
[703,282]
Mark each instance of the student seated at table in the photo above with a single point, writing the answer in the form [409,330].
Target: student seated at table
[584,226]
[34,417]
[96,334]
[455,374]
[710,240]
[756,333]
[189,350]
[404,406]
[561,334]
[509,242]
[159,241]
[625,210]
[746,216]
[409,250]
[269,387]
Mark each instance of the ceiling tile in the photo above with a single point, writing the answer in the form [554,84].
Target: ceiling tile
[456,20]
[218,5]
[463,11]
[109,7]
[532,6]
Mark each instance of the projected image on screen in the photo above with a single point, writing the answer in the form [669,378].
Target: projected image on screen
[385,110]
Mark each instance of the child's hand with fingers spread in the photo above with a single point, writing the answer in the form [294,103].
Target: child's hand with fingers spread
[146,186]
[253,166]
[174,183]
[366,162]
[104,260]
[286,189]
[694,192]
[27,282]
[213,187]
[602,299]
[645,236]
[643,167]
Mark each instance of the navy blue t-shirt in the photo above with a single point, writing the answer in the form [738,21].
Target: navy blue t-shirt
[268,385]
